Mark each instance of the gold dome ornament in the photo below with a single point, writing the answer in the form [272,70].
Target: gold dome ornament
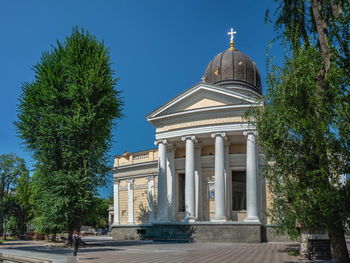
[232,43]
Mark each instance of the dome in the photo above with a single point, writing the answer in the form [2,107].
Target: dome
[233,67]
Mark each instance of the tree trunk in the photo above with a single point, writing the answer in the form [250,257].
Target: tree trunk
[73,227]
[70,236]
[322,32]
[340,251]
[5,234]
[1,227]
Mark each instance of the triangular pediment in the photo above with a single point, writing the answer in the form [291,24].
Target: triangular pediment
[204,103]
[201,97]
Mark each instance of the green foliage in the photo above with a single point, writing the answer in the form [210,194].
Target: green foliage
[295,23]
[66,116]
[299,132]
[11,168]
[304,128]
[14,193]
[97,217]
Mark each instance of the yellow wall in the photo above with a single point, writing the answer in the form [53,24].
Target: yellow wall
[205,103]
[123,202]
[238,148]
[141,204]
[269,200]
[208,150]
[180,153]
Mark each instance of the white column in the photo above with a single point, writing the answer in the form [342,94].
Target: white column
[228,181]
[162,182]
[189,178]
[220,211]
[130,201]
[198,182]
[171,183]
[151,198]
[116,202]
[109,218]
[252,208]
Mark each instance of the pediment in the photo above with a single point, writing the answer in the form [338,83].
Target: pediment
[204,103]
[201,97]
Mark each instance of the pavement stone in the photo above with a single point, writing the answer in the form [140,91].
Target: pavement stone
[105,250]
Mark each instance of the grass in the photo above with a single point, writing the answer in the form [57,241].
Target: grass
[293,253]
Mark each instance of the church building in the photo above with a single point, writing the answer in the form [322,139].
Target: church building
[203,180]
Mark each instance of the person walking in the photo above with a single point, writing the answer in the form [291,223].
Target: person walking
[76,242]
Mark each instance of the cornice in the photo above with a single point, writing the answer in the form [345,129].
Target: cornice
[202,130]
[144,165]
[203,110]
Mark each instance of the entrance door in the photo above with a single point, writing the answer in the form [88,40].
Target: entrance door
[239,202]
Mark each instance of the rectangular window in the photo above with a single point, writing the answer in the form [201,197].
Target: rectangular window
[239,202]
[181,192]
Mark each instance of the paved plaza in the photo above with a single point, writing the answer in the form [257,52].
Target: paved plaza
[104,250]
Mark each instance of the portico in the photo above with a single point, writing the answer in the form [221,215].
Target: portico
[205,172]
[193,177]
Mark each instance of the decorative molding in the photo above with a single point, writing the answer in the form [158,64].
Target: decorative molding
[133,167]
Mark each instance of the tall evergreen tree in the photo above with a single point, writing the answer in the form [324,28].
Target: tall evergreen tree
[66,115]
[304,127]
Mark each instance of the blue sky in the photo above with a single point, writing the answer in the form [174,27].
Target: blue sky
[158,48]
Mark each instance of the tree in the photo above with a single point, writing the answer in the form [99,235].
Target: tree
[98,214]
[14,178]
[304,127]
[66,116]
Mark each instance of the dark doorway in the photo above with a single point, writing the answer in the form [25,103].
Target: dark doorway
[239,202]
[181,192]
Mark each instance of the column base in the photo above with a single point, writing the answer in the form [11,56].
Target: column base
[189,219]
[162,217]
[219,219]
[252,219]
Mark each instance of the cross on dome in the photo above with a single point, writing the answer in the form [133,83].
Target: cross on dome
[232,33]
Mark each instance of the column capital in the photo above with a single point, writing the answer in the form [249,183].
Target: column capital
[221,134]
[160,142]
[150,178]
[131,181]
[253,132]
[191,137]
